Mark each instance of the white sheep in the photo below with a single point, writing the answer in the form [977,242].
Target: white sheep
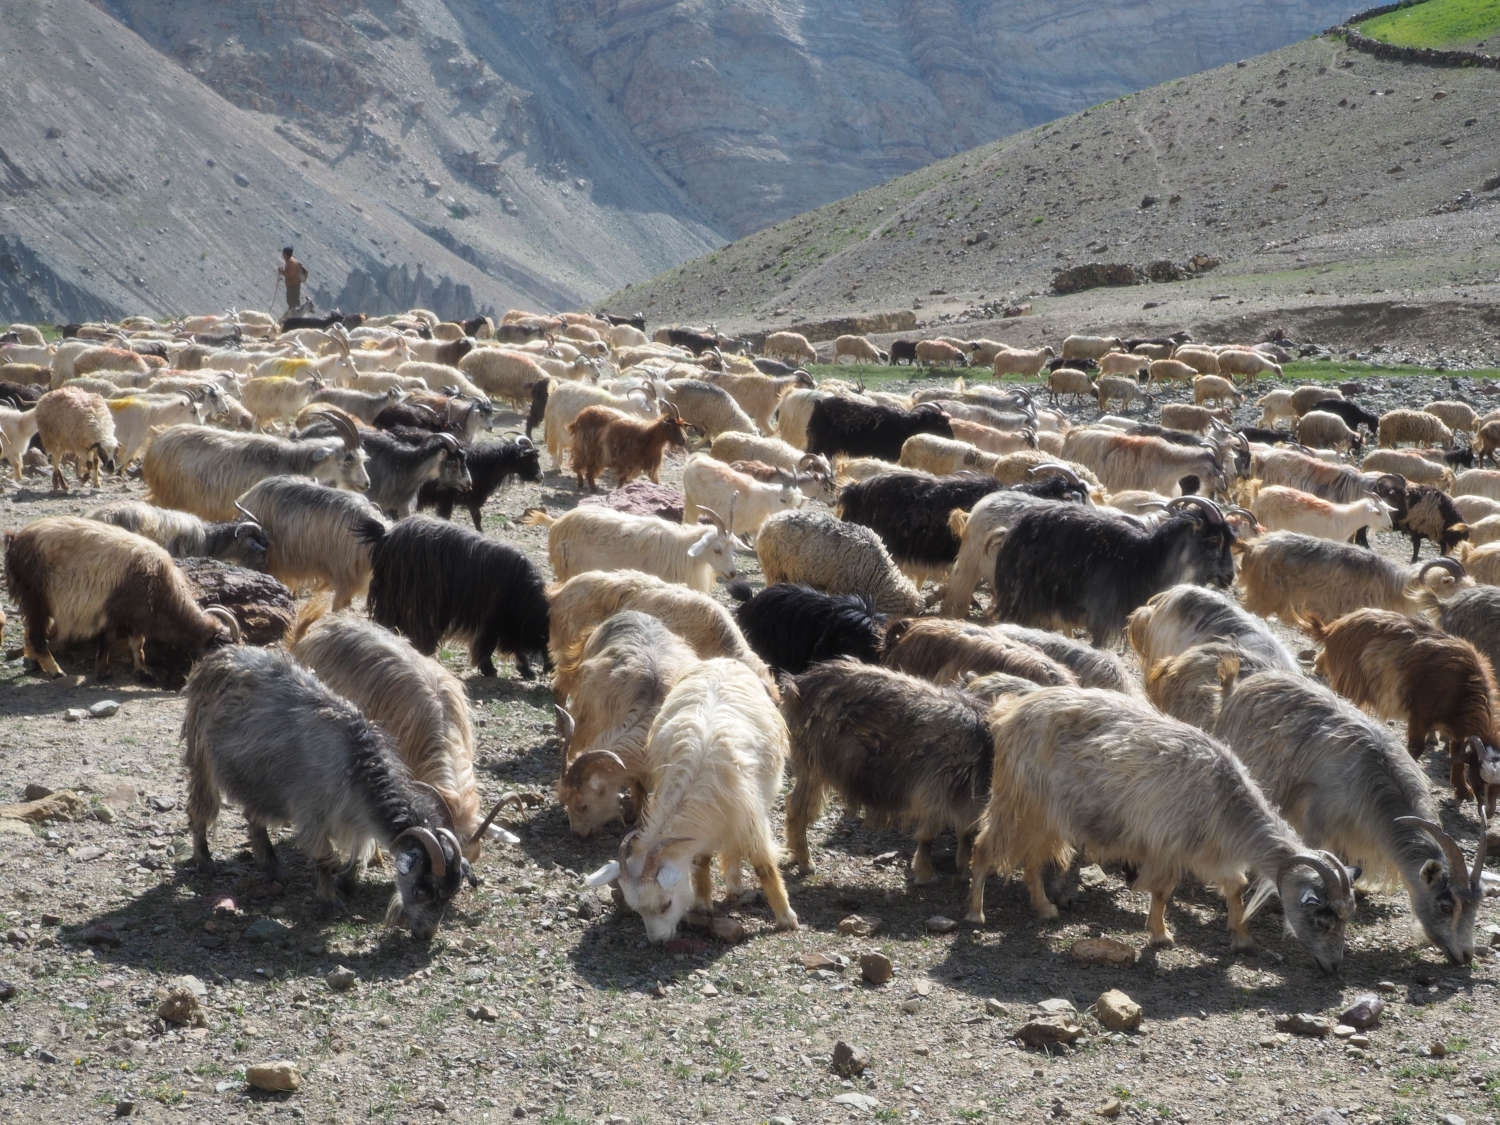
[1168,371]
[759,395]
[1482,531]
[1119,388]
[1194,419]
[1455,415]
[992,440]
[1021,361]
[596,538]
[1477,482]
[504,373]
[1323,430]
[834,556]
[982,352]
[1475,508]
[1411,465]
[859,349]
[933,353]
[1089,347]
[705,406]
[1214,388]
[1246,362]
[1202,359]
[623,335]
[277,398]
[1274,407]
[1069,381]
[790,346]
[1123,363]
[440,377]
[1414,427]
[711,485]
[940,456]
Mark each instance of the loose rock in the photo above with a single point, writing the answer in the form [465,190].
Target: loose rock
[1364,1013]
[1117,1011]
[941,924]
[849,1062]
[62,805]
[1048,1031]
[340,979]
[104,709]
[876,968]
[1102,951]
[814,961]
[1057,1007]
[266,930]
[482,1012]
[1315,1027]
[857,925]
[1111,1108]
[179,1006]
[277,1077]
[858,1101]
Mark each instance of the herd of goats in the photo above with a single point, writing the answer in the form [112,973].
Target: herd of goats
[292,458]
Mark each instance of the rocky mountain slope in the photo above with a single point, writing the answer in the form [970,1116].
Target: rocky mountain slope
[497,152]
[1319,177]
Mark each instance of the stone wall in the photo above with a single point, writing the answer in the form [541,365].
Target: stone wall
[1429,56]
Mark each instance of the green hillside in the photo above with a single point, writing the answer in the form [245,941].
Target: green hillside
[1437,23]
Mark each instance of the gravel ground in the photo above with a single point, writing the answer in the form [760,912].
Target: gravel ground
[538,1000]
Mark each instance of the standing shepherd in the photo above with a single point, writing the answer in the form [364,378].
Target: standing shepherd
[294,273]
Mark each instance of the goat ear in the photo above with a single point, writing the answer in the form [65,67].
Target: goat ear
[1354,871]
[669,875]
[1432,872]
[702,544]
[606,874]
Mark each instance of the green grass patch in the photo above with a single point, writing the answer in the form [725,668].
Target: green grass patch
[1436,23]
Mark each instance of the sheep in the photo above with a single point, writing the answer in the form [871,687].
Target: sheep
[903,750]
[447,353]
[614,681]
[858,429]
[1414,467]
[76,423]
[1068,760]
[790,346]
[1322,430]
[1119,388]
[203,470]
[17,428]
[318,536]
[503,373]
[716,755]
[138,416]
[1091,666]
[1415,427]
[77,579]
[1455,415]
[1215,388]
[760,395]
[1483,531]
[910,511]
[239,541]
[1477,482]
[792,626]
[1279,508]
[1203,360]
[1183,616]
[598,539]
[1431,514]
[1298,577]
[1345,785]
[1168,371]
[419,703]
[706,407]
[1487,441]
[1124,363]
[793,414]
[1275,406]
[942,456]
[1127,461]
[267,734]
[711,485]
[1068,381]
[1089,347]
[490,465]
[1071,565]
[1406,668]
[1197,419]
[835,557]
[1245,362]
[859,349]
[1021,361]
[945,651]
[934,353]
[1475,508]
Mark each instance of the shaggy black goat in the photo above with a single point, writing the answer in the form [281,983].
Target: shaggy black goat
[638,321]
[288,323]
[902,749]
[1430,514]
[1060,567]
[1263,435]
[1352,413]
[903,350]
[433,579]
[863,429]
[695,342]
[792,627]
[539,392]
[521,331]
[1077,363]
[909,511]
[408,415]
[491,464]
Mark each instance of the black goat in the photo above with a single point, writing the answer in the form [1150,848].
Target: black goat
[1263,435]
[909,511]
[772,366]
[491,464]
[1430,514]
[1077,363]
[695,342]
[1176,437]
[472,326]
[24,395]
[432,580]
[638,321]
[1352,413]
[1064,566]
[408,415]
[521,331]
[539,394]
[861,429]
[792,627]
[353,320]
[903,350]
[398,468]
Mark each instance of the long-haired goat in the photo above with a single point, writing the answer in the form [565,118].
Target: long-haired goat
[75,423]
[793,627]
[1406,668]
[1178,618]
[1279,508]
[1129,461]
[239,541]
[834,556]
[944,651]
[711,485]
[863,429]
[596,538]
[1077,768]
[911,512]
[319,536]
[716,754]
[904,750]
[431,579]
[606,438]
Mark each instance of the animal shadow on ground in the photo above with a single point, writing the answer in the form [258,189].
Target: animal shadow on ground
[27,695]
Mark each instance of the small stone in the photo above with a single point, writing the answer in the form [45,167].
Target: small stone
[162,804]
[1117,1011]
[264,930]
[1359,1039]
[941,924]
[876,968]
[856,1100]
[341,979]
[385,1019]
[857,925]
[708,989]
[1049,1031]
[1342,1031]
[179,1006]
[1301,1023]
[62,805]
[7,991]
[911,1005]
[277,1077]
[887,859]
[104,709]
[482,1012]
[1437,1049]
[241,179]
[75,715]
[124,1109]
[1102,951]
[99,933]
[993,1007]
[1111,1108]
[1057,1007]
[727,929]
[47,1057]
[93,851]
[1451,1119]
[849,1062]
[1494,934]
[1364,1013]
[1386,986]
[814,961]
[1326,1116]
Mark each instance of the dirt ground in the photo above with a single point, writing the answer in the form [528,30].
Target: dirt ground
[537,1000]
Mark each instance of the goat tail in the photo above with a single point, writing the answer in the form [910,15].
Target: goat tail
[1228,672]
[1315,626]
[958,519]
[532,517]
[313,610]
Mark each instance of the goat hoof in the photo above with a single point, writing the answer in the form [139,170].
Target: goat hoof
[487,670]
[1163,940]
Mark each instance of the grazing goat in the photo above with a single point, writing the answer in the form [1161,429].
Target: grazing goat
[319,536]
[910,511]
[1297,577]
[905,751]
[588,538]
[75,423]
[1278,508]
[1181,617]
[490,465]
[945,652]
[1415,427]
[238,541]
[792,627]
[710,485]
[267,734]
[1431,514]
[1321,429]
[863,429]
[1068,565]
[1130,461]
[1410,465]
[76,580]
[834,556]
[715,756]
[606,438]
[1069,760]
[1406,668]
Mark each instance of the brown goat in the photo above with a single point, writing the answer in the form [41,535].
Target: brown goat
[941,650]
[1400,667]
[606,438]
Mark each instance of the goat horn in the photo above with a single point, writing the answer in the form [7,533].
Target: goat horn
[1476,877]
[430,845]
[246,512]
[1329,873]
[450,441]
[1243,513]
[444,811]
[590,762]
[712,516]
[1451,850]
[230,622]
[1395,480]
[1065,470]
[1340,870]
[508,799]
[1210,510]
[653,857]
[625,844]
[565,723]
[1443,562]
